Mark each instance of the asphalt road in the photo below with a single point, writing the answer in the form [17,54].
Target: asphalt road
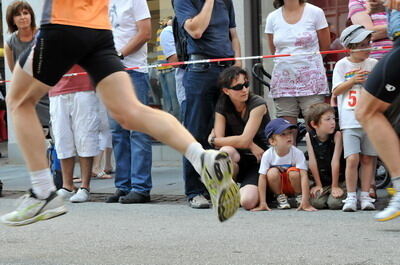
[162,233]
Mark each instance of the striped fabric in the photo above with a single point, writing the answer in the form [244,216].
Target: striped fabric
[159,51]
[356,6]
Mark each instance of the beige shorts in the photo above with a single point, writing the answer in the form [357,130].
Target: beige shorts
[76,124]
[291,106]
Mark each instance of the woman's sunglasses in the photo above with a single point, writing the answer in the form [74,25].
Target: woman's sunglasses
[239,87]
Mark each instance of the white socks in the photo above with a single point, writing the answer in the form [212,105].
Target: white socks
[42,183]
[352,195]
[193,154]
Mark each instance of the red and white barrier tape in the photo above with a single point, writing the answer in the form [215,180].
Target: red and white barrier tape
[235,59]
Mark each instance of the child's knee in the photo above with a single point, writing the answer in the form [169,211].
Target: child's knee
[366,159]
[353,160]
[274,174]
[294,176]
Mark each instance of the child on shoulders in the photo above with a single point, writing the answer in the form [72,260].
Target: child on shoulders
[283,168]
[326,162]
[349,75]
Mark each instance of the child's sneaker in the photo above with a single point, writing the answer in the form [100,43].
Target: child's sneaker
[282,202]
[350,204]
[390,212]
[32,209]
[367,203]
[65,194]
[299,198]
[216,174]
[82,195]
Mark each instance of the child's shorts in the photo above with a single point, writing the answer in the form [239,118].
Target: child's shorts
[356,141]
[286,185]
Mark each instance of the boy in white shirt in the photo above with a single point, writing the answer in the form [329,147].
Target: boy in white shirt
[349,75]
[283,167]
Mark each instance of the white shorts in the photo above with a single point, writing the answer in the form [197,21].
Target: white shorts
[105,131]
[75,124]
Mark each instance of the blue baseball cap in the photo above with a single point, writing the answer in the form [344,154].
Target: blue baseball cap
[277,126]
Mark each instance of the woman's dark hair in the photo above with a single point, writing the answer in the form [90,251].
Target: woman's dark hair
[229,75]
[14,9]
[279,3]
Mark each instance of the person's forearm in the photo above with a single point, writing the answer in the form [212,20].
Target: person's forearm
[380,32]
[315,173]
[237,141]
[135,43]
[262,188]
[343,87]
[198,24]
[236,49]
[335,174]
[305,189]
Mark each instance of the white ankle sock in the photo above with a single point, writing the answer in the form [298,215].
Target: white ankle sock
[396,183]
[193,154]
[42,183]
[364,194]
[352,195]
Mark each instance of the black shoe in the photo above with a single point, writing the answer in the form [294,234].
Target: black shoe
[114,198]
[134,197]
[1,187]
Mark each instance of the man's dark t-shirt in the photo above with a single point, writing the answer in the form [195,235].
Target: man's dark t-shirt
[215,41]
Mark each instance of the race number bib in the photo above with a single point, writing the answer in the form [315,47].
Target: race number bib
[352,98]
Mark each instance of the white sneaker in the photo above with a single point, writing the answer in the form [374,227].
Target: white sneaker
[82,195]
[65,194]
[282,202]
[199,202]
[216,174]
[32,209]
[350,204]
[390,212]
[367,203]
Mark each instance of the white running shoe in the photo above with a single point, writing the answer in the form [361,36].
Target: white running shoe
[283,202]
[82,195]
[350,204]
[65,194]
[391,211]
[32,209]
[216,174]
[367,203]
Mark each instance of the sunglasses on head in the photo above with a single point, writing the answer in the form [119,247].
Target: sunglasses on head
[240,86]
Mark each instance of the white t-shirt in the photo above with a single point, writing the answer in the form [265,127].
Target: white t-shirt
[295,158]
[301,75]
[124,14]
[347,102]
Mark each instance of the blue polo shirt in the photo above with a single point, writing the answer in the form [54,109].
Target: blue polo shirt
[215,42]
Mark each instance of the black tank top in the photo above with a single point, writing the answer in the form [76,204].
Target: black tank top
[323,154]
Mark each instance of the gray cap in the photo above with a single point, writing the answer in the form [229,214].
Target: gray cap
[354,34]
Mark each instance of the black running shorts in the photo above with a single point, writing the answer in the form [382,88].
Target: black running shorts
[58,47]
[384,81]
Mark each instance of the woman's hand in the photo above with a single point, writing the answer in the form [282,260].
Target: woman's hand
[337,192]
[256,151]
[316,191]
[210,137]
[261,207]
[375,6]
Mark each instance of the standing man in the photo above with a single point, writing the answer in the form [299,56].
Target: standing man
[131,27]
[211,33]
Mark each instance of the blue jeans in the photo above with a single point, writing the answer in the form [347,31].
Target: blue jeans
[200,82]
[132,150]
[168,86]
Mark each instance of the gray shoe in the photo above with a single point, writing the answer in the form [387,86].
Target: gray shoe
[83,195]
[199,202]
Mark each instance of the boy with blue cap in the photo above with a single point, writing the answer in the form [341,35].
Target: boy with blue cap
[283,167]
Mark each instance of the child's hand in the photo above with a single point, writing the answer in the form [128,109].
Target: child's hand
[261,207]
[316,191]
[306,206]
[336,192]
[360,76]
